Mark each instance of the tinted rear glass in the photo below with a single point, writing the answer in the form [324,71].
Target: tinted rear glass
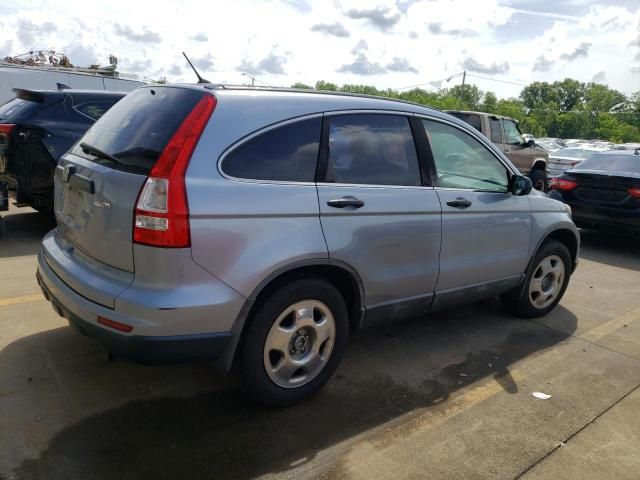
[17,110]
[286,153]
[137,128]
[612,163]
[470,118]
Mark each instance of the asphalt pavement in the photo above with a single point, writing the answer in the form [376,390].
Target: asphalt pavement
[445,396]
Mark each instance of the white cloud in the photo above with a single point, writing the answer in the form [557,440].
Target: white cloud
[407,42]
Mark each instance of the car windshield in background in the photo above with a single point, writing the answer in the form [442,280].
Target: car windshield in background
[137,128]
[574,153]
[612,163]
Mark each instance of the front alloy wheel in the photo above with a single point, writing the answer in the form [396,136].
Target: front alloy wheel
[546,282]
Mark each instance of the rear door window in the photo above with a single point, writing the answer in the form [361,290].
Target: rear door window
[285,153]
[138,127]
[372,149]
[496,130]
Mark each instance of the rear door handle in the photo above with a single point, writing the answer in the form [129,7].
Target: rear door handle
[347,201]
[459,203]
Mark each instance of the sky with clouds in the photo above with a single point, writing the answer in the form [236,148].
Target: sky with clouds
[386,43]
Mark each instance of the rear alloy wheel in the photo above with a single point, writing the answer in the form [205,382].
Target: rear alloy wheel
[299,344]
[294,342]
[545,283]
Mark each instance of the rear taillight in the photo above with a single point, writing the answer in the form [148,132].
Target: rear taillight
[5,131]
[634,192]
[562,184]
[162,211]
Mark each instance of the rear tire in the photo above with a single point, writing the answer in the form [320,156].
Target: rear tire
[539,179]
[294,342]
[545,283]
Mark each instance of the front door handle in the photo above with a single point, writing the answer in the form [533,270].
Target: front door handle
[459,203]
[347,201]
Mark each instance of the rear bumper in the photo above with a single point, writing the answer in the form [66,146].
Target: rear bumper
[145,348]
[601,217]
[606,218]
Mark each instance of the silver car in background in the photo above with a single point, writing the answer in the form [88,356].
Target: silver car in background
[262,227]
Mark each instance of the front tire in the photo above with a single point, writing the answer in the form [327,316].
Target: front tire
[545,282]
[294,342]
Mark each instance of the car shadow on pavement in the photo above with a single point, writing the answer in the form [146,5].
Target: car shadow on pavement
[23,232]
[388,371]
[612,249]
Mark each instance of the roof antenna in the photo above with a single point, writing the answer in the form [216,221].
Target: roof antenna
[200,79]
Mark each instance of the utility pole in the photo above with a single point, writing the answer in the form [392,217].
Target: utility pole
[253,79]
[464,76]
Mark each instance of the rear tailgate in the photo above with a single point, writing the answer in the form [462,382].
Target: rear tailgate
[97,183]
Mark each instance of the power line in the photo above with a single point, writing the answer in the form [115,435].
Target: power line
[497,80]
[432,81]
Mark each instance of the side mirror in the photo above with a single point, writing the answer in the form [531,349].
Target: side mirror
[529,143]
[520,185]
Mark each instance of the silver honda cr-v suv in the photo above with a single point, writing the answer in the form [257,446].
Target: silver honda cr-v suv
[261,227]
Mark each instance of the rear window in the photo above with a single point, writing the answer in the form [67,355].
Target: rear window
[470,118]
[285,153]
[574,153]
[17,110]
[137,128]
[612,163]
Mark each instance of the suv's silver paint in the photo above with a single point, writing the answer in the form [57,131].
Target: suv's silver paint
[405,247]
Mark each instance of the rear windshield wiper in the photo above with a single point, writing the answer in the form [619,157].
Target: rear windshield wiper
[91,150]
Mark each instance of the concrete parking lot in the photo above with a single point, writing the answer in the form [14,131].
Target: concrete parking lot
[449,396]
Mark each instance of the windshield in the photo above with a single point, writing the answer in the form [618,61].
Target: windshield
[612,163]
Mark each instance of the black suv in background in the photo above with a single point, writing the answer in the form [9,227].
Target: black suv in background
[36,128]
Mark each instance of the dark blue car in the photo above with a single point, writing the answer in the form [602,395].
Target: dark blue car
[603,191]
[36,128]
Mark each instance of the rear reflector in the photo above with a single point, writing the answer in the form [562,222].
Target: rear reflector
[561,184]
[162,210]
[634,192]
[115,325]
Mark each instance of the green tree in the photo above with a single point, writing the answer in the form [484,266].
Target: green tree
[302,86]
[489,102]
[322,85]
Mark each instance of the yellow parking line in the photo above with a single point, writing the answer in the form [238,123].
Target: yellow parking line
[611,326]
[23,299]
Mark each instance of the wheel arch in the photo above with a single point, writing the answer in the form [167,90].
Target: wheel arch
[567,237]
[340,274]
[539,164]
